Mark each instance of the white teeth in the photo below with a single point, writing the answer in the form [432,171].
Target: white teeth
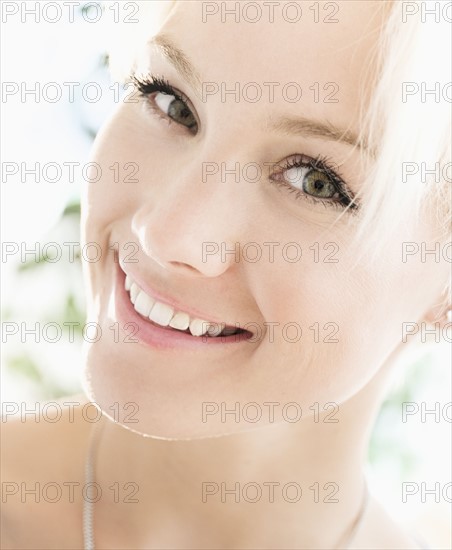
[143,304]
[134,291]
[215,329]
[181,321]
[161,314]
[128,282]
[165,315]
[198,327]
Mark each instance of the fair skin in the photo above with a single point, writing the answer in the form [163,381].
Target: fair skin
[169,213]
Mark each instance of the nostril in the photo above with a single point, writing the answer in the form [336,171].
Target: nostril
[182,264]
[187,267]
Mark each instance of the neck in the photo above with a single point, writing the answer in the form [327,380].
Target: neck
[291,485]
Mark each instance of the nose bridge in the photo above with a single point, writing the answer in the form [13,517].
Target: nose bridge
[200,190]
[199,204]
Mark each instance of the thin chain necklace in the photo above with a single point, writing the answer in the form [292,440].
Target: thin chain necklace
[88,505]
[90,478]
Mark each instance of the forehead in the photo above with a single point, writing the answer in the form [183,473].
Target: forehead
[323,47]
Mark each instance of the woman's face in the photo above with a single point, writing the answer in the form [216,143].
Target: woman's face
[194,226]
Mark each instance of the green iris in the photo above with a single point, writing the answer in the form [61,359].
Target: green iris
[180,113]
[318,184]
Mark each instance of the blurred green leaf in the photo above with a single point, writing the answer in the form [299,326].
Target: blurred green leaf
[72,208]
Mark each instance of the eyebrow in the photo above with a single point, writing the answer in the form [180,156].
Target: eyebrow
[317,129]
[303,126]
[179,61]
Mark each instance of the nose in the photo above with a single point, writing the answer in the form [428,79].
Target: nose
[189,225]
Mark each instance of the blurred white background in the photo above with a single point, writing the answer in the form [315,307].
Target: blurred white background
[37,131]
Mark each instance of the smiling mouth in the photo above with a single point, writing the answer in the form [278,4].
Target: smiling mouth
[168,317]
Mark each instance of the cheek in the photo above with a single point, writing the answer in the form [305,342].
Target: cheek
[317,324]
[335,324]
[105,202]
[123,162]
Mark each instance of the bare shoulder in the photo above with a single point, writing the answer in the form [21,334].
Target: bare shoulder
[46,438]
[42,467]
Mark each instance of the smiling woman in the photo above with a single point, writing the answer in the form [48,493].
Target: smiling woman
[291,171]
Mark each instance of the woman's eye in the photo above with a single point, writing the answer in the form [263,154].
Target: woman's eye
[315,180]
[311,181]
[165,100]
[176,109]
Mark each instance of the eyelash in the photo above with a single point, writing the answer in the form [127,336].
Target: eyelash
[151,84]
[321,164]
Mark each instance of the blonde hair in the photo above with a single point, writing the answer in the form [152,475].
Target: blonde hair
[401,132]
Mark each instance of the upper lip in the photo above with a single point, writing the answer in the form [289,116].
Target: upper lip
[178,306]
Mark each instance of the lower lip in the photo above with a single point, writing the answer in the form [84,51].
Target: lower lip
[157,336]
